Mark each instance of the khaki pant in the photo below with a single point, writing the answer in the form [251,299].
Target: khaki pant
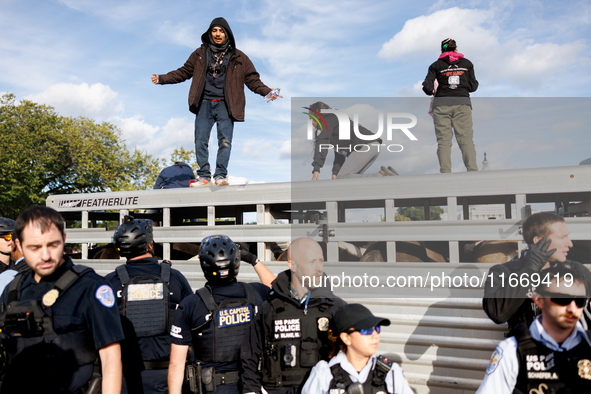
[447,120]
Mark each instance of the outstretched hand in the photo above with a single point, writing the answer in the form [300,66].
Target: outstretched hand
[155,79]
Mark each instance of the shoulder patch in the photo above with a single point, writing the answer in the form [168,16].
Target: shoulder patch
[494,361]
[105,296]
[176,332]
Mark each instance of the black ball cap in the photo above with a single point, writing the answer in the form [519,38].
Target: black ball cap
[358,317]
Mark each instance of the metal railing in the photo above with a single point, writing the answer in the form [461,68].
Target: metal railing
[188,215]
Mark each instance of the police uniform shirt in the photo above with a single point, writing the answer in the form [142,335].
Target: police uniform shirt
[87,305]
[7,276]
[320,377]
[503,368]
[192,313]
[158,347]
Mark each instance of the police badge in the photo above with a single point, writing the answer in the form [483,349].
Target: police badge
[50,297]
[584,369]
[323,324]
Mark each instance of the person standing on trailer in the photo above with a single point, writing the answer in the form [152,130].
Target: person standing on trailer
[452,108]
[219,71]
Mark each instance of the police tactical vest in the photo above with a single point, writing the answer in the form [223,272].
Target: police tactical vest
[145,301]
[20,266]
[374,384]
[220,337]
[542,370]
[295,342]
[29,322]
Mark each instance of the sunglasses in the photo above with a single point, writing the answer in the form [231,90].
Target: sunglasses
[7,237]
[368,331]
[565,299]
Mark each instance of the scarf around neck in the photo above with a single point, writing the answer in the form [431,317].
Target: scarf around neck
[216,65]
[453,56]
[219,47]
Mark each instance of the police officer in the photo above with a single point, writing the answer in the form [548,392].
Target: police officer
[214,320]
[290,334]
[56,316]
[356,336]
[547,236]
[554,354]
[148,294]
[18,264]
[6,243]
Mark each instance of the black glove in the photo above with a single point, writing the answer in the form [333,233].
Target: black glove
[245,255]
[538,254]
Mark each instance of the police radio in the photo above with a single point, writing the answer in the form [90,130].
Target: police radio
[288,356]
[24,318]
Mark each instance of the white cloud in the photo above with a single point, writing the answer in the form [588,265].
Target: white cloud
[121,12]
[285,150]
[499,54]
[95,101]
[176,133]
[304,50]
[415,91]
[136,132]
[179,130]
[298,148]
[256,148]
[161,141]
[424,33]
[181,33]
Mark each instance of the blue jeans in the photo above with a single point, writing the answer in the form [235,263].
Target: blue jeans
[213,112]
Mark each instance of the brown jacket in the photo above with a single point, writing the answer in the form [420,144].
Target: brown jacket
[240,72]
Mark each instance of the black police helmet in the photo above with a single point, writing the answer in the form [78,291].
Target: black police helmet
[6,226]
[133,236]
[220,259]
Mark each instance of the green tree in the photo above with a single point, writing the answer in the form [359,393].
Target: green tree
[142,171]
[418,213]
[43,153]
[397,218]
[185,156]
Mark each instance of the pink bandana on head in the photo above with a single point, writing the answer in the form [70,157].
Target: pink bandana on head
[453,56]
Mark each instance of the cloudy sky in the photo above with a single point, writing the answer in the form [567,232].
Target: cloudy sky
[95,58]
